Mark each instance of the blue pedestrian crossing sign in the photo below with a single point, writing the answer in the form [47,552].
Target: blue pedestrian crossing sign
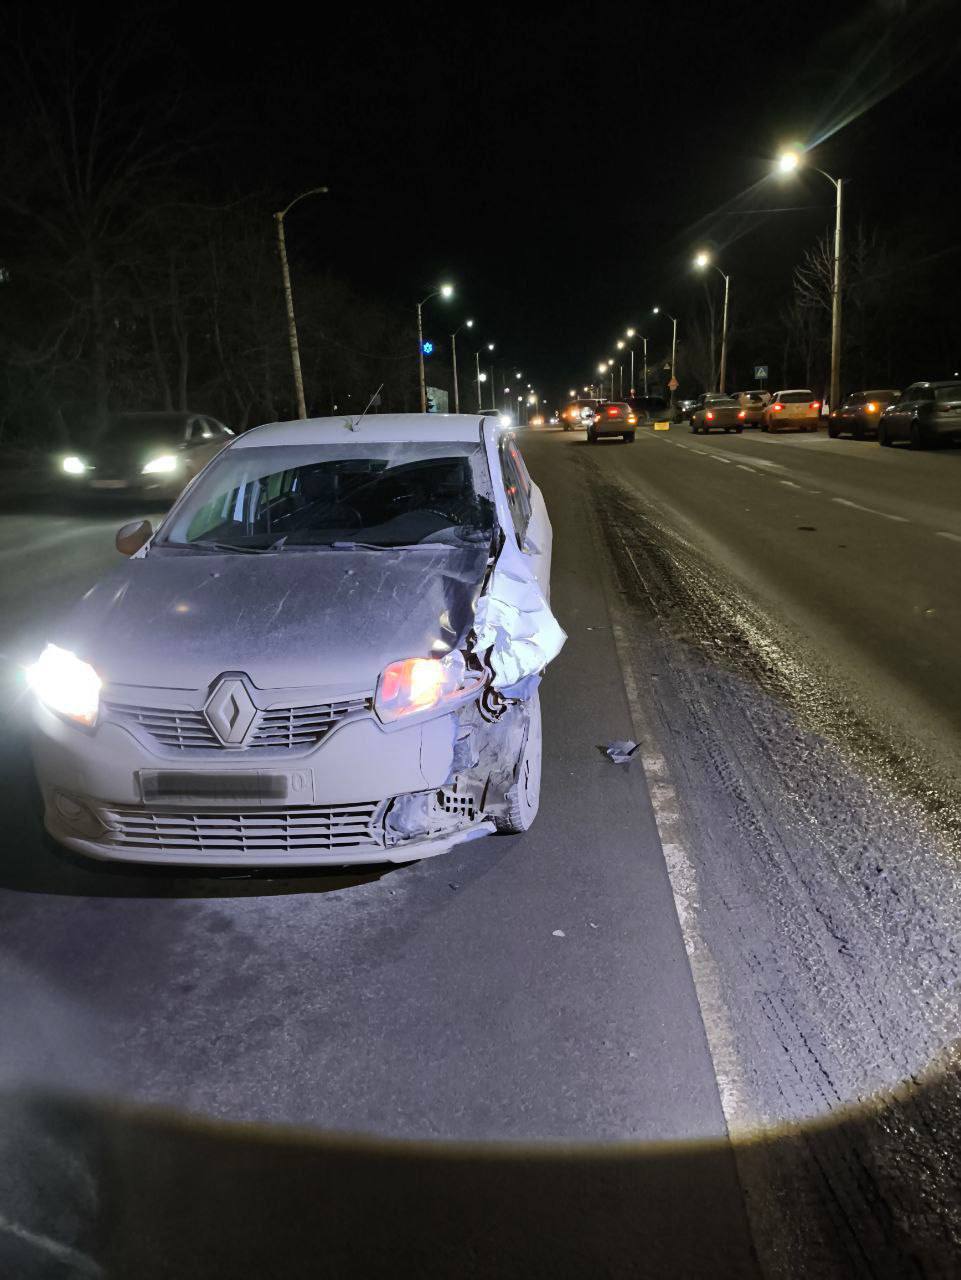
[760,373]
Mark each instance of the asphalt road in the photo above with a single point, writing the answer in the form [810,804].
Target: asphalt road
[526,1057]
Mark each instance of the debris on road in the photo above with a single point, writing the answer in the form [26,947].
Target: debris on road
[620,752]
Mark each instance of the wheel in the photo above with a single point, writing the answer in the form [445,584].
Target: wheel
[693,429]
[592,437]
[917,439]
[628,437]
[738,430]
[884,440]
[765,426]
[524,796]
[727,431]
[567,426]
[857,433]
[833,431]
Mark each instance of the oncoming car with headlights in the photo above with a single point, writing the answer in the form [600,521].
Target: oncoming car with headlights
[152,454]
[328,653]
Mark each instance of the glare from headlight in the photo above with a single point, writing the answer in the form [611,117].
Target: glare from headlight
[66,684]
[73,465]
[505,419]
[166,462]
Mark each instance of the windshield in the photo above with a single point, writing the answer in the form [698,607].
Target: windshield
[386,495]
[138,429]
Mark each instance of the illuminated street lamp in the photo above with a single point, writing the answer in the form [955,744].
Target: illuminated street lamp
[788,162]
[468,324]
[445,291]
[701,261]
[481,377]
[657,311]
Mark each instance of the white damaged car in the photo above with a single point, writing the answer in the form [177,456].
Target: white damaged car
[328,653]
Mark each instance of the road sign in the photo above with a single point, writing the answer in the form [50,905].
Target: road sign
[673,384]
[760,373]
[428,348]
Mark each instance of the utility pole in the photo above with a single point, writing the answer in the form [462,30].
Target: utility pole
[723,377]
[644,340]
[836,303]
[289,298]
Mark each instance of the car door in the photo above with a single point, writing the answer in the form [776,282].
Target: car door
[897,419]
[532,526]
[849,410]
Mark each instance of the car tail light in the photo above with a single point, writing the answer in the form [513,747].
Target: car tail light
[871,407]
[631,418]
[777,407]
[709,415]
[815,404]
[418,684]
[742,414]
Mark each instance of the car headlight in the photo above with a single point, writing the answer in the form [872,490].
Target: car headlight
[166,462]
[66,684]
[418,684]
[73,465]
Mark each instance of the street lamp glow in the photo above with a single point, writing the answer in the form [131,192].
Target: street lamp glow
[656,311]
[482,377]
[490,346]
[447,291]
[631,333]
[572,393]
[620,346]
[602,368]
[702,260]
[610,364]
[788,161]
[469,324]
[518,375]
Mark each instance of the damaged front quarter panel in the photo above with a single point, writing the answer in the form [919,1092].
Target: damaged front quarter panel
[515,632]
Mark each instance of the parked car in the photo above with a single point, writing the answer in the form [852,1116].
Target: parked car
[714,412]
[753,404]
[613,418]
[797,410]
[859,413]
[151,454]
[926,414]
[650,408]
[312,660]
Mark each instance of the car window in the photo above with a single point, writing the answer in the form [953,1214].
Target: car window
[517,487]
[944,395]
[302,496]
[913,392]
[856,397]
[795,397]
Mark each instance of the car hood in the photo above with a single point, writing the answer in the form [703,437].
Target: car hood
[290,620]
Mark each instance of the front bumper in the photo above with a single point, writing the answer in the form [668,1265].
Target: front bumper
[340,798]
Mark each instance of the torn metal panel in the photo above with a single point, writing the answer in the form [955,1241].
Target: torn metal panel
[515,628]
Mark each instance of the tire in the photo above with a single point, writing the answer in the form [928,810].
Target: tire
[884,439]
[567,426]
[629,437]
[765,426]
[693,429]
[524,796]
[833,433]
[917,440]
[727,431]
[592,437]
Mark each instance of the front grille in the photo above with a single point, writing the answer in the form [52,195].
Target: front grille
[278,728]
[285,831]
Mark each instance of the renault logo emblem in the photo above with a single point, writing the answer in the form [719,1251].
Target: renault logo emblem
[230,712]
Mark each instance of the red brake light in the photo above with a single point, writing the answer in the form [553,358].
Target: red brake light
[777,407]
[742,414]
[815,404]
[709,415]
[612,411]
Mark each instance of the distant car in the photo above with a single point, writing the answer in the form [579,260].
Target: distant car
[927,413]
[650,408]
[614,418]
[149,454]
[859,413]
[796,410]
[537,420]
[575,414]
[326,654]
[753,404]
[714,412]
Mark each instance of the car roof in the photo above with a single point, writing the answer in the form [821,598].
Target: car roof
[792,390]
[375,428]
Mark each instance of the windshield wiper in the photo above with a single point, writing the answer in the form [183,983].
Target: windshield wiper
[382,546]
[226,546]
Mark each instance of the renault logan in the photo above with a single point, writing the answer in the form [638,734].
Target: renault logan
[328,652]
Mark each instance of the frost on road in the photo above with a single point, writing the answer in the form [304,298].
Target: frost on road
[825,891]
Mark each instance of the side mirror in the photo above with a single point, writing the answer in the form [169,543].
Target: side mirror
[131,537]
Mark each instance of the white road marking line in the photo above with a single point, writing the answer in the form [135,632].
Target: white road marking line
[741,467]
[856,506]
[717,458]
[955,537]
[790,484]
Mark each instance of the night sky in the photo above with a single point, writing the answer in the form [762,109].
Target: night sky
[560,165]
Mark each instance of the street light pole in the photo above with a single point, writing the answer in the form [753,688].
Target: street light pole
[787,163]
[644,340]
[445,291]
[289,298]
[468,324]
[673,319]
[702,260]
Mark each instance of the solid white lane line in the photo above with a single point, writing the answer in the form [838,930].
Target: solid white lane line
[856,506]
[790,484]
[717,458]
[954,537]
[742,467]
